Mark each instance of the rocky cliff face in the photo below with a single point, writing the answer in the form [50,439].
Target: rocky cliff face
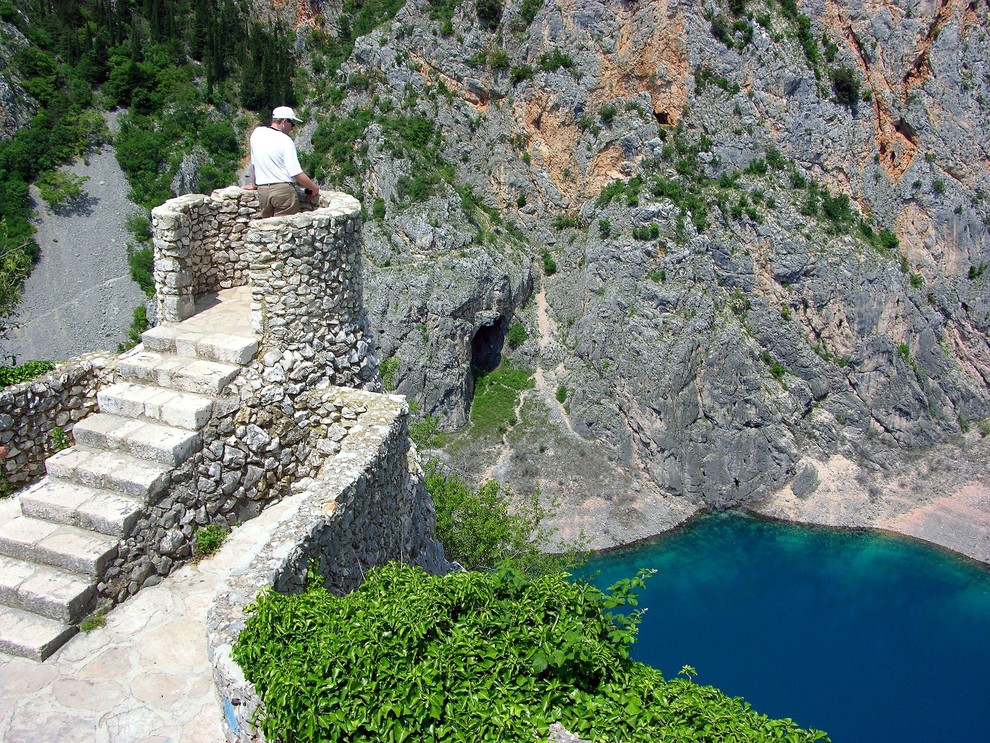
[16,106]
[762,230]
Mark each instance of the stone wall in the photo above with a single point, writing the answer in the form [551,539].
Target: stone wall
[31,412]
[306,291]
[285,425]
[365,507]
[304,272]
[200,246]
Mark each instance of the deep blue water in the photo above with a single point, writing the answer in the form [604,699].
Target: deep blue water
[865,636]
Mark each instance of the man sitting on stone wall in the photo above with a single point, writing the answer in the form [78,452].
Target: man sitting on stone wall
[276,165]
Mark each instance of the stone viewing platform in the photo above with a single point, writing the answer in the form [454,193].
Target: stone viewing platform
[258,391]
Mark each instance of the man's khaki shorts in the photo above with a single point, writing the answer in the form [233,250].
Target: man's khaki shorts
[278,199]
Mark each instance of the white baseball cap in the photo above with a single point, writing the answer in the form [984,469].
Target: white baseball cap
[284,112]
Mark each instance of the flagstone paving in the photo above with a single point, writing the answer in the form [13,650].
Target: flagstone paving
[145,676]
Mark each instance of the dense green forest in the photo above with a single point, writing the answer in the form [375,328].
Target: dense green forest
[182,74]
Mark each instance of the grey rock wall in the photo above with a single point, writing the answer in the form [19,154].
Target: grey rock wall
[709,358]
[31,412]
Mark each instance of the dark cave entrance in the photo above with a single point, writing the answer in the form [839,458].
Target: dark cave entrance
[486,354]
[486,346]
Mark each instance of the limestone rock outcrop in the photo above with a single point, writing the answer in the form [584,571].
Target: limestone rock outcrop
[713,343]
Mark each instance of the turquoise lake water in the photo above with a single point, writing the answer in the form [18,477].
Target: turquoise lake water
[865,636]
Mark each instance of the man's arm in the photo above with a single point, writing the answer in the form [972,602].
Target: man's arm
[306,182]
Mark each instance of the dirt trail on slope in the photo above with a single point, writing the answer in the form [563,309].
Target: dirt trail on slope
[80,296]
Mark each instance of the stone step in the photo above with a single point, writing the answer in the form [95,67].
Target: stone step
[179,409]
[138,438]
[65,502]
[40,589]
[108,470]
[220,347]
[176,372]
[58,545]
[31,636]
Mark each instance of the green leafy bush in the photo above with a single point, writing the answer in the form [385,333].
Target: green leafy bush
[489,13]
[485,526]
[705,76]
[837,210]
[139,225]
[646,231]
[388,370]
[555,60]
[378,210]
[549,264]
[520,73]
[470,656]
[720,30]
[10,375]
[528,10]
[845,85]
[659,277]
[776,160]
[630,189]
[498,59]
[561,394]
[141,261]
[59,188]
[17,256]
[139,323]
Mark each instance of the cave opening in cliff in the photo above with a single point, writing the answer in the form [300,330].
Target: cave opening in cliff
[486,346]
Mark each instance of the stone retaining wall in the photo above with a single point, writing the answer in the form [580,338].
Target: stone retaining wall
[365,507]
[307,297]
[304,272]
[200,248]
[284,425]
[31,413]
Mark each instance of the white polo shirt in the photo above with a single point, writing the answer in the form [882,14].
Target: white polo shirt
[273,155]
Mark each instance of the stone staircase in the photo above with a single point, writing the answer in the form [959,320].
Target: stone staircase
[58,536]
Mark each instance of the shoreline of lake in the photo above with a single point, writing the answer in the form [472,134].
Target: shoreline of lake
[941,498]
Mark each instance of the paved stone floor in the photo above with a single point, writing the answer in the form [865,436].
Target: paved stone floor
[143,677]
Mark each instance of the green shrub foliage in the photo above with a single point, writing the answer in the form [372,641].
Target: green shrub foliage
[516,335]
[10,375]
[209,539]
[473,656]
[846,86]
[480,528]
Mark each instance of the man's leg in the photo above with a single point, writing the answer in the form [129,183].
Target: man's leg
[265,200]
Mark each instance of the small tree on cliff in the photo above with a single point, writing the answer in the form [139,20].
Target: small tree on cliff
[483,527]
[846,86]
